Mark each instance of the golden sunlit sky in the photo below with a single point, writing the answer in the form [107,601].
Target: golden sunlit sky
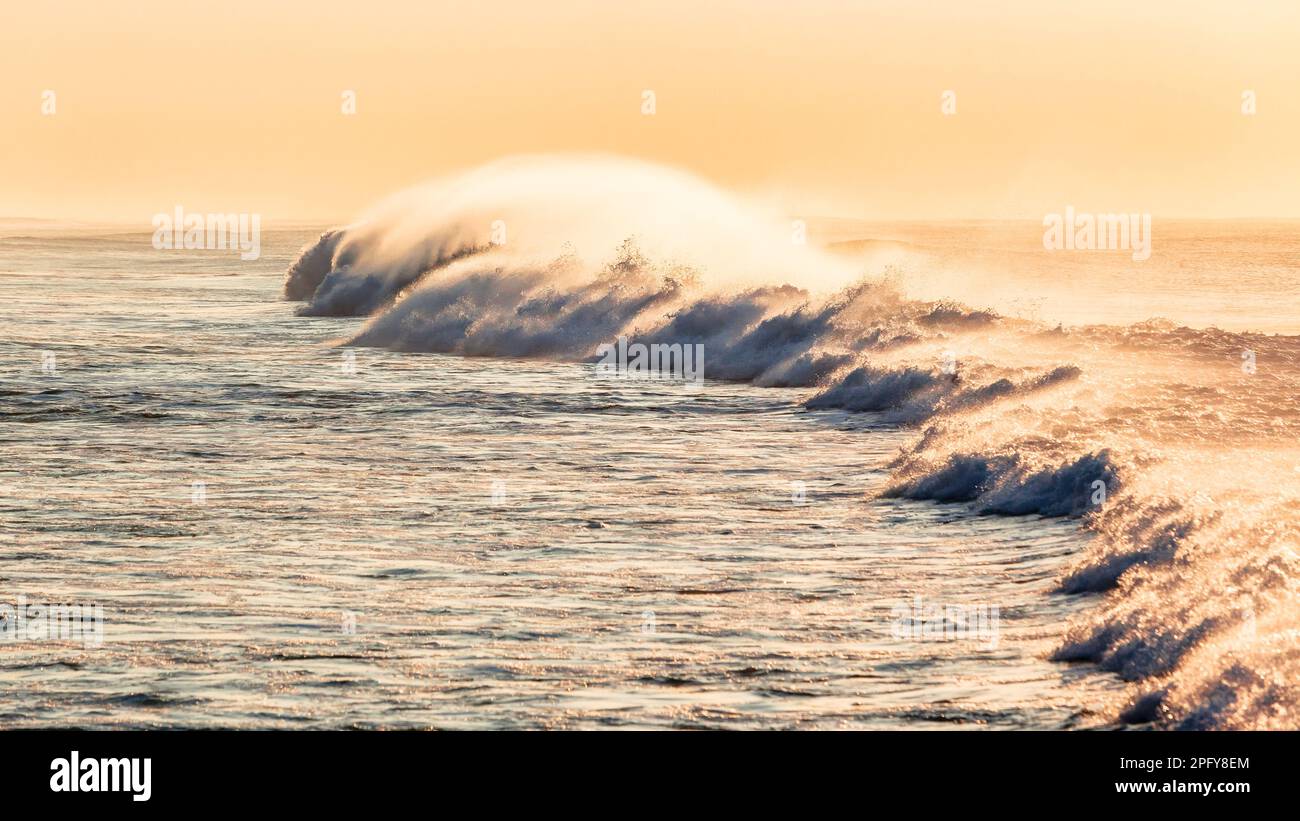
[830,106]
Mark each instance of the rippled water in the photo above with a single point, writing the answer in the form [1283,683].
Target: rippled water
[418,540]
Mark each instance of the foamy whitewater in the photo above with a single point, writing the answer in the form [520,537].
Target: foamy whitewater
[520,544]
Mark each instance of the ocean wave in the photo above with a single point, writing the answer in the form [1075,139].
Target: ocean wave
[535,209]
[1013,484]
[1178,459]
[1202,613]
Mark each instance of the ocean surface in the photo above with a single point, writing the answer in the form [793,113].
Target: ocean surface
[404,498]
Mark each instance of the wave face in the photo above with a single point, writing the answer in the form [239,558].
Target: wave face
[1182,462]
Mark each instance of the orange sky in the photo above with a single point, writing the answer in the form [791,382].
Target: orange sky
[833,106]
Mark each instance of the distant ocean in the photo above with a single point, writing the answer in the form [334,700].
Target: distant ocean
[973,484]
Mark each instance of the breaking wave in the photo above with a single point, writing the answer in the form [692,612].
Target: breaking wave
[1181,461]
